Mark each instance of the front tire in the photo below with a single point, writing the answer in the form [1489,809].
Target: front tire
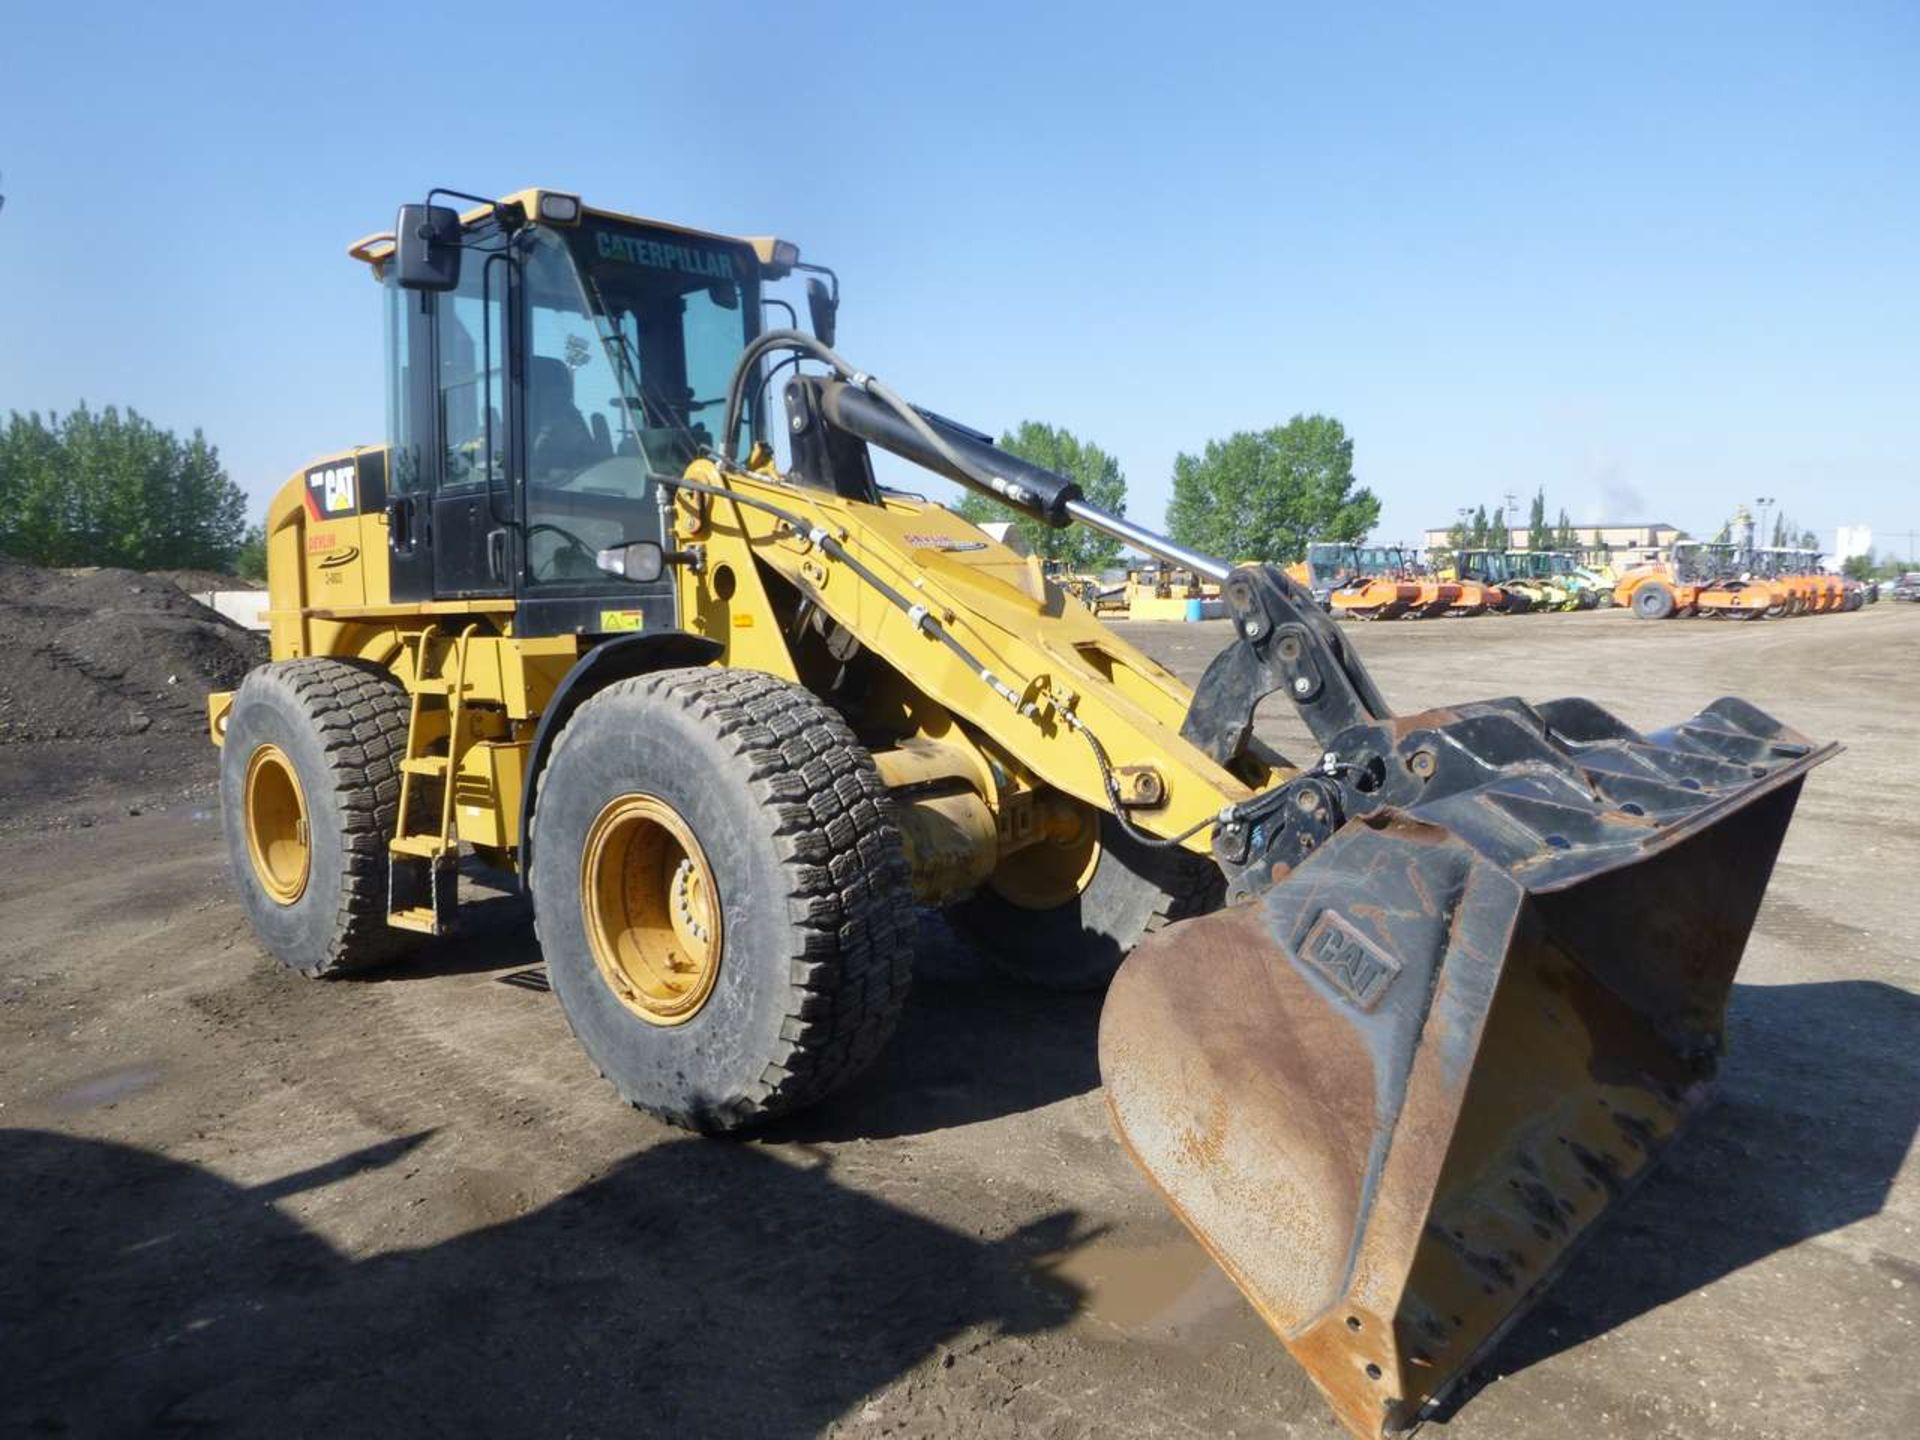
[721,895]
[309,788]
[1125,892]
[1653,601]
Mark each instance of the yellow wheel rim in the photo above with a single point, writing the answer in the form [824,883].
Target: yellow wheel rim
[652,910]
[277,837]
[1053,871]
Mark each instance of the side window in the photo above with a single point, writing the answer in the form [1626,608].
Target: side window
[470,342]
[714,336]
[407,471]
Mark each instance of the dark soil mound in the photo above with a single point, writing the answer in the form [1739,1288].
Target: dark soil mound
[105,654]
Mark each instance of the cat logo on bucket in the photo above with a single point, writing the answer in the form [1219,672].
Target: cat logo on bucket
[1350,962]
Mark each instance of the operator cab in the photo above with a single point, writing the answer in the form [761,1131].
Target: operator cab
[1379,560]
[548,365]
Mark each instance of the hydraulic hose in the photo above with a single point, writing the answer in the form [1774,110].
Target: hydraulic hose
[929,624]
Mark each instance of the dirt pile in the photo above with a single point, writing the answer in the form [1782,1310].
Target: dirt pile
[110,654]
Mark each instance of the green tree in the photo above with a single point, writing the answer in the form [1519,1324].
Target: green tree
[1565,537]
[1263,494]
[1538,536]
[1499,533]
[1858,567]
[33,503]
[250,560]
[1482,533]
[1808,540]
[114,489]
[1100,480]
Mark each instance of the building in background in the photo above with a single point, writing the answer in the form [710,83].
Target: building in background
[1604,542]
[1851,540]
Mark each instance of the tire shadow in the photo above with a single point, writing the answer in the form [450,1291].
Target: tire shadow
[696,1288]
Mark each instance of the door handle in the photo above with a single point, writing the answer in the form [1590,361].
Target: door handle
[400,524]
[497,555]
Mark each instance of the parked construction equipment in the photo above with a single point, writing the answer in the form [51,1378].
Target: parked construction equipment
[1384,584]
[1170,592]
[1326,566]
[1736,582]
[1494,573]
[1672,586]
[730,722]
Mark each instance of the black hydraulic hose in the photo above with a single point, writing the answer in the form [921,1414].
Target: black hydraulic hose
[916,422]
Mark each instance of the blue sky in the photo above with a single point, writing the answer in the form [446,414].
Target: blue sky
[1659,262]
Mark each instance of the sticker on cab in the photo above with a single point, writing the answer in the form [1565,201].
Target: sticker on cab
[613,621]
[333,490]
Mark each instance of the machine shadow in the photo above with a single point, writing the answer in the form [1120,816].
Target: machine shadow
[696,1288]
[493,931]
[1818,1105]
[972,1045]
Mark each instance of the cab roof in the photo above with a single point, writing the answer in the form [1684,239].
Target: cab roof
[776,256]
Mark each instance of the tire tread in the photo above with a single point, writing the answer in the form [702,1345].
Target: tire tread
[359,712]
[849,897]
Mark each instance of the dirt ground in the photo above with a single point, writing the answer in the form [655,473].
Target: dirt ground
[233,1201]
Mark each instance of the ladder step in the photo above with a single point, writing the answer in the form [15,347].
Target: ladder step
[419,847]
[423,892]
[436,685]
[433,765]
[415,917]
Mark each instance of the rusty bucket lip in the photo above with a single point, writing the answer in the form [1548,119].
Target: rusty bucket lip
[1690,824]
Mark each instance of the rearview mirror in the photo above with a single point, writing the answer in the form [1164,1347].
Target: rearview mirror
[426,242]
[638,560]
[821,309]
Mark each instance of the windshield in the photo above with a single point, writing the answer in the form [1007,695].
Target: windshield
[632,337]
[1329,562]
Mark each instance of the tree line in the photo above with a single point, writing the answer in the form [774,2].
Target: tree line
[1256,495]
[109,487]
[1481,531]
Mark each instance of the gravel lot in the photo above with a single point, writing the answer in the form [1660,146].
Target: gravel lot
[239,1202]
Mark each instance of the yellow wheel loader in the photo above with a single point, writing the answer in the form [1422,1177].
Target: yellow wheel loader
[1391,1027]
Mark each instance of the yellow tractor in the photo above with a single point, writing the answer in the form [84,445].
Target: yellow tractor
[1391,1028]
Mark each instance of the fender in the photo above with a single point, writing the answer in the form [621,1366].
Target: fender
[620,658]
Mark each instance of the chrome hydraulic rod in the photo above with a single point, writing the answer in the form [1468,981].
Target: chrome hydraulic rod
[1141,538]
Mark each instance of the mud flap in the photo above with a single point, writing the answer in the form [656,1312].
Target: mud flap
[1440,1037]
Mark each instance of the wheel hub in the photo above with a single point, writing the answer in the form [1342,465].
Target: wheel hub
[651,908]
[278,840]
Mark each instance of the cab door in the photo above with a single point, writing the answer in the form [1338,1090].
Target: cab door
[451,513]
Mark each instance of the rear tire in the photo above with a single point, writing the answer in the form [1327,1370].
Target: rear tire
[1077,946]
[1653,601]
[785,818]
[313,749]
